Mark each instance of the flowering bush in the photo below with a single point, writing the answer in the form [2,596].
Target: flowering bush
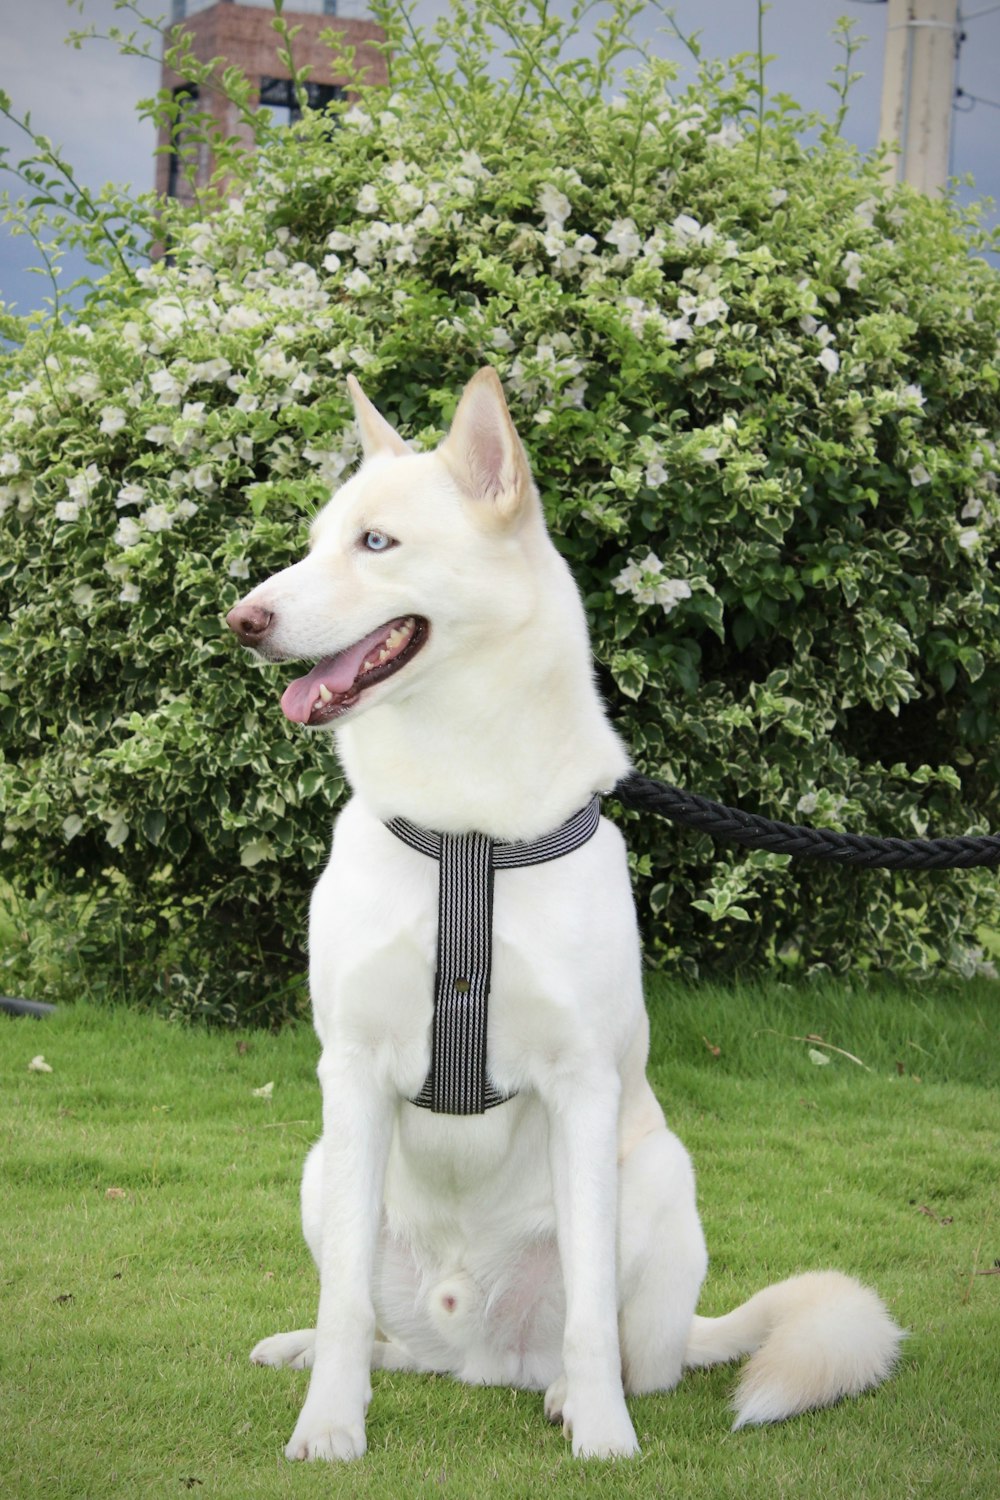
[761,394]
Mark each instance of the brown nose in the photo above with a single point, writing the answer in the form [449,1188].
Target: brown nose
[249,622]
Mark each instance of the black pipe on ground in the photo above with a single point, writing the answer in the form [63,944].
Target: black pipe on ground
[24,1007]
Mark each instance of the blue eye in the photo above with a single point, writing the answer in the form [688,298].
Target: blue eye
[377,541]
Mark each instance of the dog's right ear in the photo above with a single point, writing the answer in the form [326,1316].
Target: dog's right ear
[376,434]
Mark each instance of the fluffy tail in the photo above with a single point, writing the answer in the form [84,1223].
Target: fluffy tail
[814,1339]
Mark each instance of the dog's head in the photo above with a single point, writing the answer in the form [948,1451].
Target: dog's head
[415,557]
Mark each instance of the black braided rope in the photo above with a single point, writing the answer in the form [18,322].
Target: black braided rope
[756,832]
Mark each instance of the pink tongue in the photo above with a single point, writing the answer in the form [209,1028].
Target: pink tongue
[334,672]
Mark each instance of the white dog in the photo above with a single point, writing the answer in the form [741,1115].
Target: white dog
[549,1240]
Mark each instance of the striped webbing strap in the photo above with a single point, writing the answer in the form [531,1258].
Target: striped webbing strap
[458,1082]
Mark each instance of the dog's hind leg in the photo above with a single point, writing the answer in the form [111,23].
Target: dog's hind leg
[662,1262]
[293,1351]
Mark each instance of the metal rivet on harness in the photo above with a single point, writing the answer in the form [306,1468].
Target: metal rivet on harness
[458,1082]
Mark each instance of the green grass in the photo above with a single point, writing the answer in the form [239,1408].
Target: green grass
[128,1316]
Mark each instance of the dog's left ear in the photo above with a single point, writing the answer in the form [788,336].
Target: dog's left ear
[376,434]
[484,452]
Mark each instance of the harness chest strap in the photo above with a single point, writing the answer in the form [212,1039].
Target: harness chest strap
[458,1082]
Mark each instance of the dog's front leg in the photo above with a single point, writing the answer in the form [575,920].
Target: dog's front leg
[583,1153]
[357,1122]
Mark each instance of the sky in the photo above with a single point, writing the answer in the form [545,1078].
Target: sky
[85,100]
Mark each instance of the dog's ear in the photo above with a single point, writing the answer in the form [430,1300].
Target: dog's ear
[376,434]
[484,452]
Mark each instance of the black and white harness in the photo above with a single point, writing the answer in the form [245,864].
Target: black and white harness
[458,1082]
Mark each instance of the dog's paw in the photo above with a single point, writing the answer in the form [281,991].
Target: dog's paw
[555,1400]
[292,1350]
[325,1441]
[599,1428]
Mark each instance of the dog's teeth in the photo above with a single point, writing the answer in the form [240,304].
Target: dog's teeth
[325,695]
[393,639]
[366,666]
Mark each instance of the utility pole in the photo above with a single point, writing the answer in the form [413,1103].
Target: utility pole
[918,90]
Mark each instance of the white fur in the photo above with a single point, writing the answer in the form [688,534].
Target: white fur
[554,1242]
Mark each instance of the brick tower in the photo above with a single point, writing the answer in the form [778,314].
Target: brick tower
[239,32]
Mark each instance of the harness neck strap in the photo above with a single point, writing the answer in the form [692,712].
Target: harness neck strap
[458,1082]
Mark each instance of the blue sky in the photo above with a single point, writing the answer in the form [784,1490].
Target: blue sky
[86,100]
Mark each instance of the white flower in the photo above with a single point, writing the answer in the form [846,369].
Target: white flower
[155,518]
[972,509]
[411,196]
[625,238]
[691,121]
[128,532]
[969,539]
[202,478]
[852,265]
[276,364]
[129,593]
[644,581]
[777,196]
[67,510]
[113,419]
[86,386]
[709,311]
[554,206]
[357,119]
[807,803]
[167,316]
[829,359]
[331,263]
[337,240]
[656,474]
[670,592]
[470,163]
[83,597]
[501,339]
[919,475]
[358,281]
[676,329]
[685,228]
[10,463]
[808,324]
[158,435]
[164,386]
[913,393]
[81,486]
[185,509]
[194,413]
[23,414]
[729,135]
[367,202]
[239,568]
[239,318]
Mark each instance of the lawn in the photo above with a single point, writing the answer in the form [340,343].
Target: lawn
[149,1236]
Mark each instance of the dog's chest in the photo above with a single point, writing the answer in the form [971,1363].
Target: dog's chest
[374,941]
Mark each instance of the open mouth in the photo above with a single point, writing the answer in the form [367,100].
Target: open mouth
[336,683]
